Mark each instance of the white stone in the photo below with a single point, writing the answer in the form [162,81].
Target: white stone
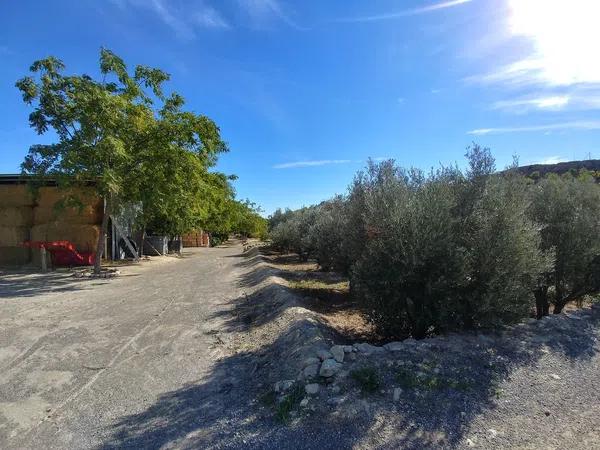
[368,349]
[394,346]
[397,393]
[304,403]
[324,354]
[282,386]
[329,368]
[338,353]
[312,388]
[310,361]
[556,377]
[311,371]
[347,349]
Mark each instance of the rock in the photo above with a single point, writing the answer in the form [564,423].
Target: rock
[324,354]
[556,377]
[394,346]
[335,401]
[368,349]
[338,353]
[397,393]
[347,348]
[335,389]
[282,386]
[342,374]
[485,340]
[470,443]
[310,362]
[312,388]
[311,371]
[304,403]
[351,357]
[329,368]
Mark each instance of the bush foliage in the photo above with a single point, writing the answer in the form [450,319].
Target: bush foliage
[453,249]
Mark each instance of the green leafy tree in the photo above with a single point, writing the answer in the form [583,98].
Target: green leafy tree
[122,135]
[567,209]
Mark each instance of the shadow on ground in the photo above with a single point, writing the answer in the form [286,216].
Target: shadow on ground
[30,284]
[223,409]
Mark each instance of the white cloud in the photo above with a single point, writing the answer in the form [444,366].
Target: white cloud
[524,104]
[577,125]
[210,18]
[405,13]
[263,12]
[183,22]
[321,162]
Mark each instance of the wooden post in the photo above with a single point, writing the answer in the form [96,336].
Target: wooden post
[44,261]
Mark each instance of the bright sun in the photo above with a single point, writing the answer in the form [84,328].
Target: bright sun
[565,35]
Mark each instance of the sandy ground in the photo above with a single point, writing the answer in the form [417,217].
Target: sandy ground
[76,355]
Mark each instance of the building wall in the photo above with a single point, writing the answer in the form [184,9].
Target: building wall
[25,217]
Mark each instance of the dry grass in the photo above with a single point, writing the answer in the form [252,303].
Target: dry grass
[325,293]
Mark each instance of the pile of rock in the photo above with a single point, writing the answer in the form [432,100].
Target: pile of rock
[88,273]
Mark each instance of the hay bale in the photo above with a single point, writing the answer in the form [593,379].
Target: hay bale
[13,236]
[48,196]
[88,215]
[15,195]
[16,216]
[14,256]
[84,237]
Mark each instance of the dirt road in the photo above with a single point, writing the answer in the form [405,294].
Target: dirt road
[165,357]
[76,357]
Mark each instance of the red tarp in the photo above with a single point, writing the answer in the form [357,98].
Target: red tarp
[64,253]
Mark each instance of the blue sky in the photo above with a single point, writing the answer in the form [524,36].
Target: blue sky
[305,91]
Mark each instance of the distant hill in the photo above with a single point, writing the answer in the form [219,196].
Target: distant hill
[560,168]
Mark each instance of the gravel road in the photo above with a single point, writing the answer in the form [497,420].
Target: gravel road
[149,360]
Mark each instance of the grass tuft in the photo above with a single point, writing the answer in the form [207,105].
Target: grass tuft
[290,402]
[367,378]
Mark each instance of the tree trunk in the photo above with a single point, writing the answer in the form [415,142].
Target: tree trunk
[560,301]
[141,242]
[558,307]
[541,302]
[102,236]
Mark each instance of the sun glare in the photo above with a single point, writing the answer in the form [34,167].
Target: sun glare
[565,36]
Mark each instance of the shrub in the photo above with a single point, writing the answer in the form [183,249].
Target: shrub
[447,250]
[329,235]
[452,249]
[568,211]
[292,233]
[367,378]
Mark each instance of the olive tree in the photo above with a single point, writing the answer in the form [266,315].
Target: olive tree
[567,209]
[446,250]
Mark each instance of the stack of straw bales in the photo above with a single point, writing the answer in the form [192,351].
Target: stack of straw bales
[16,218]
[78,225]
